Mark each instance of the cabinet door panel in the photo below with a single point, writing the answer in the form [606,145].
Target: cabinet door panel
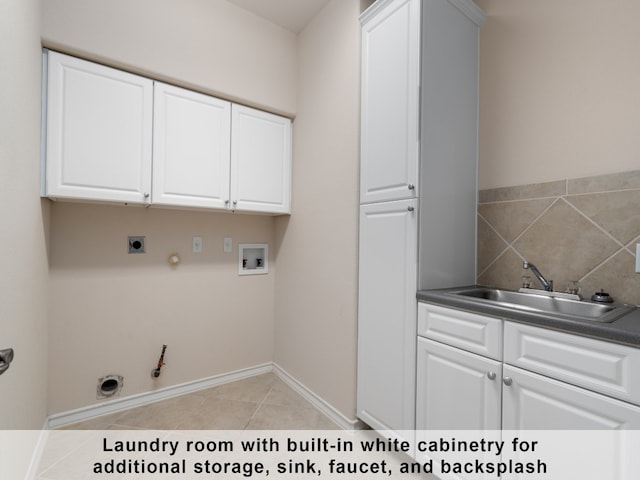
[469,331]
[597,365]
[390,102]
[387,315]
[456,390]
[192,148]
[260,161]
[534,402]
[99,123]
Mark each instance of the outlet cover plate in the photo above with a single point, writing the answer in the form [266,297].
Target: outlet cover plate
[196,244]
[227,246]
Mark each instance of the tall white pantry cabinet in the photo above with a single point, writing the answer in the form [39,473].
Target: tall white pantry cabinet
[418,186]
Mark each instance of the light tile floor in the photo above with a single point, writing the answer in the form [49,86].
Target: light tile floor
[263,402]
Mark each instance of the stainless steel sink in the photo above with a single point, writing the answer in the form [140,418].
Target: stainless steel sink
[550,303]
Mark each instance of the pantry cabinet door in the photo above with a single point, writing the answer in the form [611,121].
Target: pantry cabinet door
[260,161]
[191,148]
[387,311]
[99,140]
[390,101]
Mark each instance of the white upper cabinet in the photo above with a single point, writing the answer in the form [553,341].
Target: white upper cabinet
[390,101]
[191,148]
[99,124]
[112,136]
[260,161]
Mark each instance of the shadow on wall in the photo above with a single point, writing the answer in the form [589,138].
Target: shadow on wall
[582,230]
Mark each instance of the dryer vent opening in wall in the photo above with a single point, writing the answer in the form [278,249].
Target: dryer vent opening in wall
[109,386]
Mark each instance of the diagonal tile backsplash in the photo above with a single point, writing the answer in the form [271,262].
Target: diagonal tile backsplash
[582,230]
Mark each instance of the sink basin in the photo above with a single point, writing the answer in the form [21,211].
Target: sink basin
[545,303]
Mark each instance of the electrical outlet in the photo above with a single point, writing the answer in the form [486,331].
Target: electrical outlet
[227,245]
[197,244]
[136,245]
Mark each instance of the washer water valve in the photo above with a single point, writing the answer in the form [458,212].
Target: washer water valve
[155,373]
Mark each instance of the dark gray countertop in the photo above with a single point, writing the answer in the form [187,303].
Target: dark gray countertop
[625,330]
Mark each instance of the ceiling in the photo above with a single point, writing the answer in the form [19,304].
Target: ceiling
[290,14]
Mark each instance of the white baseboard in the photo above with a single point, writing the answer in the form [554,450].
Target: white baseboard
[115,405]
[317,401]
[111,406]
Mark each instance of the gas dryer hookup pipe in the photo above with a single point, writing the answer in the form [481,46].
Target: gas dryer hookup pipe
[155,373]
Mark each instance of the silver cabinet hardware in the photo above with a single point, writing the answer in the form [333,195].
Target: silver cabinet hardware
[508,381]
[410,208]
[411,186]
[491,375]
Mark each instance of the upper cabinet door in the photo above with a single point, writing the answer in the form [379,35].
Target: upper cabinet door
[191,148]
[390,101]
[99,123]
[260,161]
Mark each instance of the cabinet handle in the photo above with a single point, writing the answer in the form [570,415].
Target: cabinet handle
[235,202]
[491,375]
[508,381]
[146,195]
[410,208]
[411,186]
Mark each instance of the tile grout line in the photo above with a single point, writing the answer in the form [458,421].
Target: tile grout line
[258,407]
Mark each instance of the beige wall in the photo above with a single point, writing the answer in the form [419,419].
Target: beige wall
[209,45]
[316,290]
[23,277]
[559,93]
[111,311]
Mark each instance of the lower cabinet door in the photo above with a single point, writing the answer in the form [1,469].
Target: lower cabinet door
[456,390]
[534,402]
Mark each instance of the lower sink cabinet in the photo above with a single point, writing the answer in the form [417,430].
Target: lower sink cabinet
[460,390]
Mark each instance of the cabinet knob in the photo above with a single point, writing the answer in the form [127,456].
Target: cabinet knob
[411,186]
[146,195]
[235,202]
[226,202]
[491,375]
[410,208]
[508,381]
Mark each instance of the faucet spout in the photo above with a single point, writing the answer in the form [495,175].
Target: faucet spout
[547,284]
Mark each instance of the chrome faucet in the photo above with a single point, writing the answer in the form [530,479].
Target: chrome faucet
[547,284]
